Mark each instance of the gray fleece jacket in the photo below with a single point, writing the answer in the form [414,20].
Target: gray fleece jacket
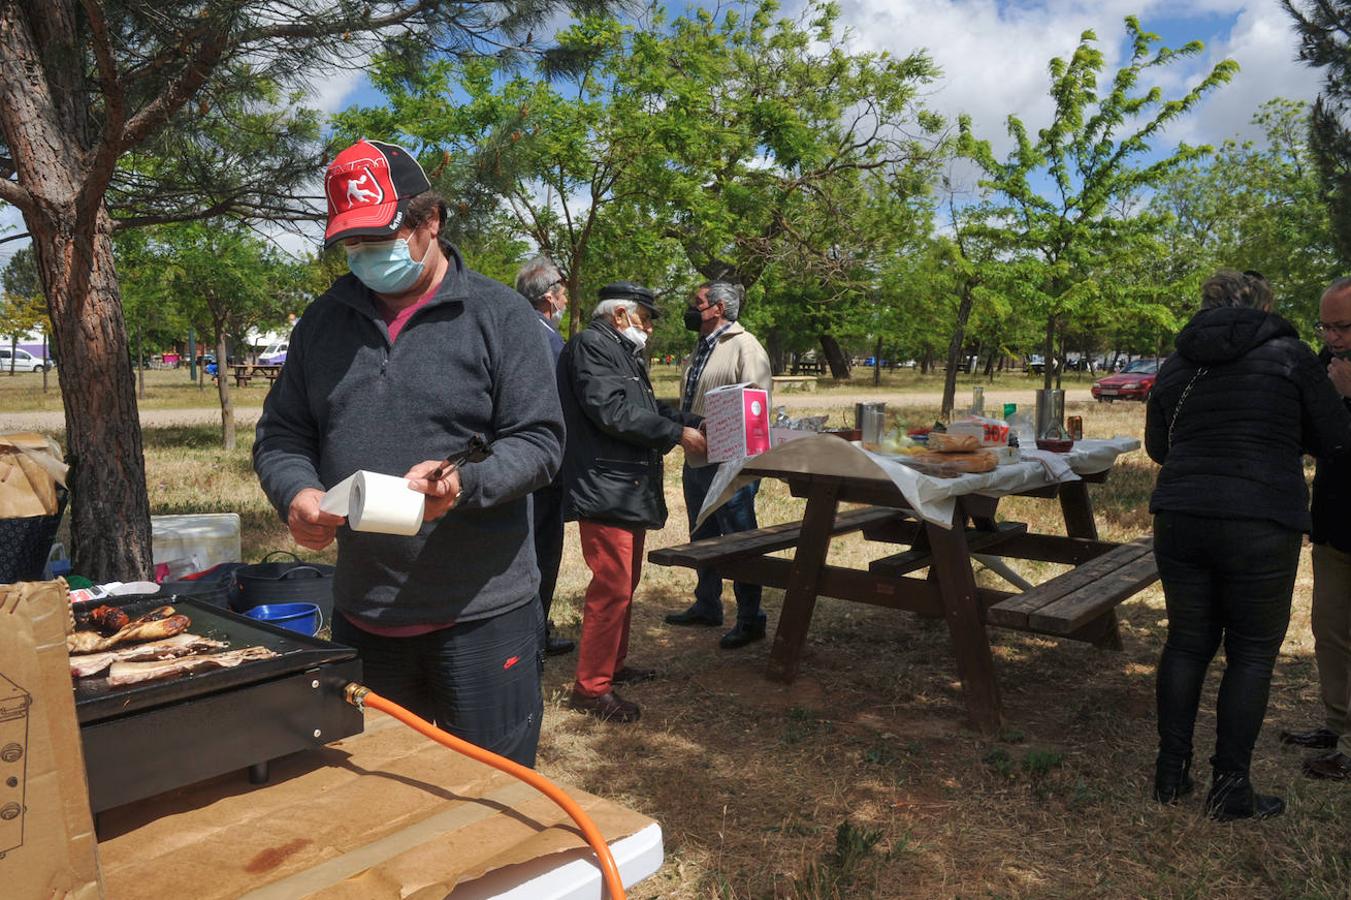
[471,361]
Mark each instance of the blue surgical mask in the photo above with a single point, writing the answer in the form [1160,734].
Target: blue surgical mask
[386,267]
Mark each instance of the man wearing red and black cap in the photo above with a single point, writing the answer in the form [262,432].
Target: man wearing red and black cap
[392,370]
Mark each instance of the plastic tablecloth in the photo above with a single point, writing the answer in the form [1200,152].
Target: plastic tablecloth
[933,499]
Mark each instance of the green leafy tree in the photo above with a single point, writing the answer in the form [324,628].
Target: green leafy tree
[1253,205]
[89,84]
[1066,195]
[761,133]
[24,307]
[1325,42]
[546,153]
[228,282]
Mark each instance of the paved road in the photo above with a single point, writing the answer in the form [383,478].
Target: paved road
[248,415]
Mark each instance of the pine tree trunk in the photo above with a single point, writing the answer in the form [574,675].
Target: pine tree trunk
[774,347]
[877,364]
[110,512]
[13,352]
[227,404]
[140,365]
[839,363]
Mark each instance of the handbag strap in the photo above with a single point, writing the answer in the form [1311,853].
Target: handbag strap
[1181,400]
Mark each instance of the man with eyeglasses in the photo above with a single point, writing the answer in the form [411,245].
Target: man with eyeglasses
[397,366]
[541,282]
[1331,538]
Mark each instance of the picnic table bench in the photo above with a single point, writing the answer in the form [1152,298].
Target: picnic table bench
[1079,604]
[793,383]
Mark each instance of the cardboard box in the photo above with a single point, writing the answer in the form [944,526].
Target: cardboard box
[382,815]
[47,845]
[736,419]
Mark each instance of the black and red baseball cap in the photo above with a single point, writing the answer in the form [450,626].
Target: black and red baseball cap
[368,186]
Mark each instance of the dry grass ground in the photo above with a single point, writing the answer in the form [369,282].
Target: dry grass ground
[860,780]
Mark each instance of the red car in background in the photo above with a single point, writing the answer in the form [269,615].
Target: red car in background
[1132,383]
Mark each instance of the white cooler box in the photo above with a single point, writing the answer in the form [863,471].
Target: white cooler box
[194,542]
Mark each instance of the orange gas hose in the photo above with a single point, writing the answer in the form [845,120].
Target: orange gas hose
[361,696]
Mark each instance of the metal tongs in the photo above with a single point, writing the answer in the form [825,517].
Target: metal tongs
[477,450]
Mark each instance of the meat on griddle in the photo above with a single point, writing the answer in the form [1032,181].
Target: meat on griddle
[141,629]
[124,673]
[85,664]
[109,620]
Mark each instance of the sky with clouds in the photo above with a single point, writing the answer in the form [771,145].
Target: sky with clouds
[994,55]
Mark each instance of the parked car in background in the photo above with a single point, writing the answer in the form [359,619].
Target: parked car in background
[275,355]
[23,361]
[1132,383]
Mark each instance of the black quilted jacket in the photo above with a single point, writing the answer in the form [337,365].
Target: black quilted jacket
[1256,398]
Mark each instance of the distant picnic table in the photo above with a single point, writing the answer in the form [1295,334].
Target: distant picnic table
[243,373]
[948,526]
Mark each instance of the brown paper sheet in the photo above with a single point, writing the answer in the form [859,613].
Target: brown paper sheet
[387,813]
[47,846]
[30,470]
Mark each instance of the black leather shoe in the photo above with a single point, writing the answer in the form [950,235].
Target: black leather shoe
[633,675]
[1333,766]
[609,707]
[692,616]
[554,646]
[1232,797]
[1317,739]
[1172,780]
[743,634]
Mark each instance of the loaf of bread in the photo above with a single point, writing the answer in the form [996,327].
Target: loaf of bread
[941,442]
[949,465]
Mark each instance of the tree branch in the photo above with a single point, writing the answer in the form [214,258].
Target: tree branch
[13,193]
[210,50]
[337,27]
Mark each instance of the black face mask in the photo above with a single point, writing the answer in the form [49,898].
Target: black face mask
[694,318]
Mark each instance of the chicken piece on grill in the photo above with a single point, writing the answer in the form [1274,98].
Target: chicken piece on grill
[139,630]
[109,620]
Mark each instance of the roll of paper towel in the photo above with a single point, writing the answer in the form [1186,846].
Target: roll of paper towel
[383,504]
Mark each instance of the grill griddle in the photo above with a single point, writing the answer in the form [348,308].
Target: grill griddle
[96,700]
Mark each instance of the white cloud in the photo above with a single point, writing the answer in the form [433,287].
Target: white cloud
[1263,43]
[994,55]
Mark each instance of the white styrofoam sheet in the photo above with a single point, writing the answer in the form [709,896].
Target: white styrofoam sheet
[574,875]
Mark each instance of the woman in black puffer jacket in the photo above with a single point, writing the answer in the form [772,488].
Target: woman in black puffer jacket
[1229,417]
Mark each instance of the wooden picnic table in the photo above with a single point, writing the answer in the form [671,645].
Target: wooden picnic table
[243,373]
[1079,604]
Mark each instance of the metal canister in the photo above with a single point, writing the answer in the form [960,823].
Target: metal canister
[1076,427]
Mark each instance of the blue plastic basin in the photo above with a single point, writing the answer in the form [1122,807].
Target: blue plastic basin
[300,617]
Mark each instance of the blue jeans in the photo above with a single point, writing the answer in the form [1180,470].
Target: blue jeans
[1225,581]
[737,514]
[479,680]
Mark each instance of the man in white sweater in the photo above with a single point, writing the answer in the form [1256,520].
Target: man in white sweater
[726,353]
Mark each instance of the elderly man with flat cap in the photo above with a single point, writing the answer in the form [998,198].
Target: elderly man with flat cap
[612,473]
[394,369]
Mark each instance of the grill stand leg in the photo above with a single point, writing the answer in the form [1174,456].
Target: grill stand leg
[258,773]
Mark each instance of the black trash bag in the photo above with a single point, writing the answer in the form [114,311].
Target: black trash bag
[25,543]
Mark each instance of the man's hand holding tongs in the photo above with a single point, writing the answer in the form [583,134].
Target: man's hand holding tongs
[439,479]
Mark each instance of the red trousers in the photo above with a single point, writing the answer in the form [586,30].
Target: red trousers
[615,557]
